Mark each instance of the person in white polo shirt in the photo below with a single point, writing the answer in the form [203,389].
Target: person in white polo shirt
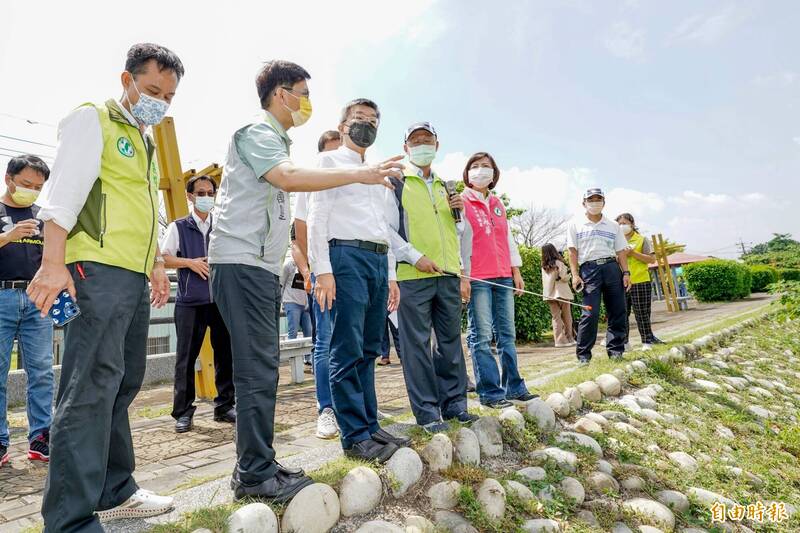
[599,264]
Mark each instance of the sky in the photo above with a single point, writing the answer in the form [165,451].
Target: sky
[686,113]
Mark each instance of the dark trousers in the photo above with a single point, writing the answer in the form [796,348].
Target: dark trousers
[394,333]
[191,323]
[358,319]
[248,299]
[436,382]
[602,281]
[639,300]
[91,452]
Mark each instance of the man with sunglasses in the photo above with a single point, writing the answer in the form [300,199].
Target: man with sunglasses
[185,247]
[246,254]
[356,283]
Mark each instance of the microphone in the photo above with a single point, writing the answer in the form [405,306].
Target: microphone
[451,191]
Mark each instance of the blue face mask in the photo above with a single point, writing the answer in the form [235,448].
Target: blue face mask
[422,155]
[204,203]
[148,110]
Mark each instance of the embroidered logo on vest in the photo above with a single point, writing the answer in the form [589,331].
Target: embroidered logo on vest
[497,211]
[125,147]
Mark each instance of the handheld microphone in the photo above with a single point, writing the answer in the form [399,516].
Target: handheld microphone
[451,191]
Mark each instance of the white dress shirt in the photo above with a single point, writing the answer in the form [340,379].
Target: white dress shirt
[170,243]
[76,166]
[354,211]
[301,206]
[595,240]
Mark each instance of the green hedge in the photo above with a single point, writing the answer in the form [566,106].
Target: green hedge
[763,277]
[531,312]
[789,274]
[718,280]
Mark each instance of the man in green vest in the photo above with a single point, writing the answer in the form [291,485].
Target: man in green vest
[425,241]
[100,209]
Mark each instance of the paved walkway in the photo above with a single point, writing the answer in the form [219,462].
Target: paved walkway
[168,462]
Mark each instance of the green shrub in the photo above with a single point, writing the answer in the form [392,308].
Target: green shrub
[763,277]
[789,274]
[789,292]
[718,280]
[744,280]
[531,312]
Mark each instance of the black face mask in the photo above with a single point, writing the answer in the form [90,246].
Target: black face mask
[362,133]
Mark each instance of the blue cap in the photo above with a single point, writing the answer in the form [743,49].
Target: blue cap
[593,192]
[419,126]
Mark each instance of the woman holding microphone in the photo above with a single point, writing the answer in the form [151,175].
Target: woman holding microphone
[495,258]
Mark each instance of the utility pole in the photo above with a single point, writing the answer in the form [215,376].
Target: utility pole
[741,243]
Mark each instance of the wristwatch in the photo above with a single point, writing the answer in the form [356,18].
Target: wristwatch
[628,272]
[159,259]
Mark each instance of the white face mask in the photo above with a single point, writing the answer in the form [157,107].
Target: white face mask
[626,228]
[594,208]
[480,177]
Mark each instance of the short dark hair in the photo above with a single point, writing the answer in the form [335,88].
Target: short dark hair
[358,101]
[277,73]
[325,138]
[195,179]
[21,162]
[139,54]
[475,157]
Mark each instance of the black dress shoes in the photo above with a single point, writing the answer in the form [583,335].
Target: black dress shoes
[183,424]
[384,437]
[371,450]
[228,416]
[280,488]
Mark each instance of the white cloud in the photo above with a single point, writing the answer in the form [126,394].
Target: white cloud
[782,79]
[708,28]
[625,41]
[796,139]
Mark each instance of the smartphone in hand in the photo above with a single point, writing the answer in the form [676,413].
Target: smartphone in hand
[64,309]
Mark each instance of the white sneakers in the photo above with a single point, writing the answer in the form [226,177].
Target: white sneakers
[566,345]
[646,347]
[142,504]
[326,424]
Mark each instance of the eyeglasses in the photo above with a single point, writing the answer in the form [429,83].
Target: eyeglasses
[369,120]
[306,93]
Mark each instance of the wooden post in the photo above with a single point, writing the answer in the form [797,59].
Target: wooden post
[665,274]
[172,183]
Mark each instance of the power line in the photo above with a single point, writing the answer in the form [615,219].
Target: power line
[28,120]
[15,153]
[27,141]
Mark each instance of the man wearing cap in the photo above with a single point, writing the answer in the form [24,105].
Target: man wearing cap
[425,240]
[597,257]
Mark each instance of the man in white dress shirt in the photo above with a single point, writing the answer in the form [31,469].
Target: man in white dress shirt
[355,280]
[100,208]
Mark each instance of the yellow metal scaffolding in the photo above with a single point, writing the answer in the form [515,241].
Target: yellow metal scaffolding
[172,184]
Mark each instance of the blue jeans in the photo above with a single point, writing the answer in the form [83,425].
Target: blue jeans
[297,319]
[20,319]
[322,355]
[493,308]
[358,318]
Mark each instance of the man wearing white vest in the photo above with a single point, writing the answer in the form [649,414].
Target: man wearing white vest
[100,209]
